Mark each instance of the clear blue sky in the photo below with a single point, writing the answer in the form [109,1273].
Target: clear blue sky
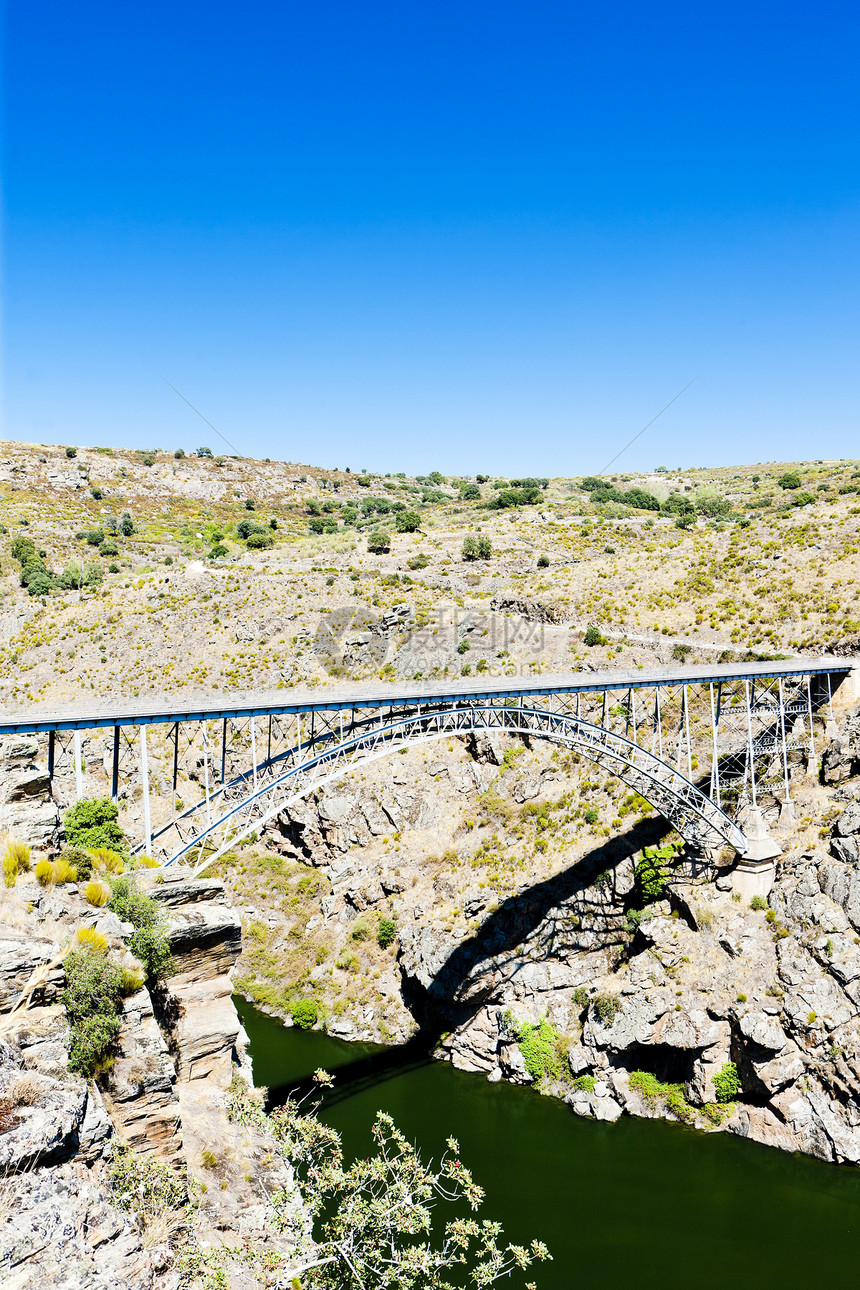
[463,237]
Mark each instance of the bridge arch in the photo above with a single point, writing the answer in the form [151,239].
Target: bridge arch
[698,819]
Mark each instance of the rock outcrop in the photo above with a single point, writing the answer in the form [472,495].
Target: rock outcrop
[27,809]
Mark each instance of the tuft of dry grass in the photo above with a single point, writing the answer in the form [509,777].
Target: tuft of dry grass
[25,1089]
[89,939]
[97,893]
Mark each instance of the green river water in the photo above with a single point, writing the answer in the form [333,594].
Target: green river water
[637,1203]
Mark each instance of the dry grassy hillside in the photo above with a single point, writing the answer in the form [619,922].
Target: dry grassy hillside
[181,600]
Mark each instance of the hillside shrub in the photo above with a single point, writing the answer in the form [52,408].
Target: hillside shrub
[260,542]
[727,1083]
[407,521]
[92,822]
[672,1096]
[606,1008]
[379,542]
[539,1047]
[386,932]
[44,872]
[149,942]
[789,480]
[305,1013]
[593,636]
[92,1002]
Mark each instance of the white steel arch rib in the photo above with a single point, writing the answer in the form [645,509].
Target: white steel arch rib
[691,812]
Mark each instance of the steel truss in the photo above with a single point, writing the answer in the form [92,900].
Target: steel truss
[690,811]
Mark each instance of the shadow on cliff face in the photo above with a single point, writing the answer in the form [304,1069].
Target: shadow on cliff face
[464,983]
[578,910]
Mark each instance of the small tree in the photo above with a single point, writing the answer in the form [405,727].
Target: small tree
[470,547]
[92,822]
[407,521]
[790,479]
[379,542]
[373,1221]
[127,525]
[485,547]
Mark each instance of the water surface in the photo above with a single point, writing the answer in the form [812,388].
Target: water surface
[638,1203]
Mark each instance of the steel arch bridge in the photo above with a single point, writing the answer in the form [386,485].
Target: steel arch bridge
[739,725]
[690,811]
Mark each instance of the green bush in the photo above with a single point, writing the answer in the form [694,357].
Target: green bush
[543,562]
[593,636]
[260,542]
[539,1047]
[141,1185]
[790,480]
[591,816]
[607,1007]
[727,1083]
[92,822]
[92,1002]
[108,547]
[379,542]
[305,1013]
[584,1083]
[149,942]
[470,547]
[23,550]
[217,551]
[758,903]
[386,932]
[672,1096]
[407,521]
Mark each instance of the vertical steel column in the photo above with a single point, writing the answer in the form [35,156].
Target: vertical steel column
[829,698]
[269,752]
[603,711]
[659,719]
[782,731]
[114,770]
[223,750]
[750,752]
[254,750]
[52,750]
[687,732]
[79,774]
[175,758]
[144,779]
[206,772]
[633,702]
[809,707]
[715,762]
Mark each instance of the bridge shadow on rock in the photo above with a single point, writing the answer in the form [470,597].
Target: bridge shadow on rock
[464,983]
[577,910]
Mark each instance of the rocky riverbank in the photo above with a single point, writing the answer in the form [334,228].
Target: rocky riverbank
[651,987]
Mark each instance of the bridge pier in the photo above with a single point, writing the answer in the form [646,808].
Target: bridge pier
[755,871]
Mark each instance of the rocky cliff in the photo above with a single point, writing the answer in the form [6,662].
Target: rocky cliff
[530,907]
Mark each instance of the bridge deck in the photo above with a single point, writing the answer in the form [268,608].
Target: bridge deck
[86,715]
